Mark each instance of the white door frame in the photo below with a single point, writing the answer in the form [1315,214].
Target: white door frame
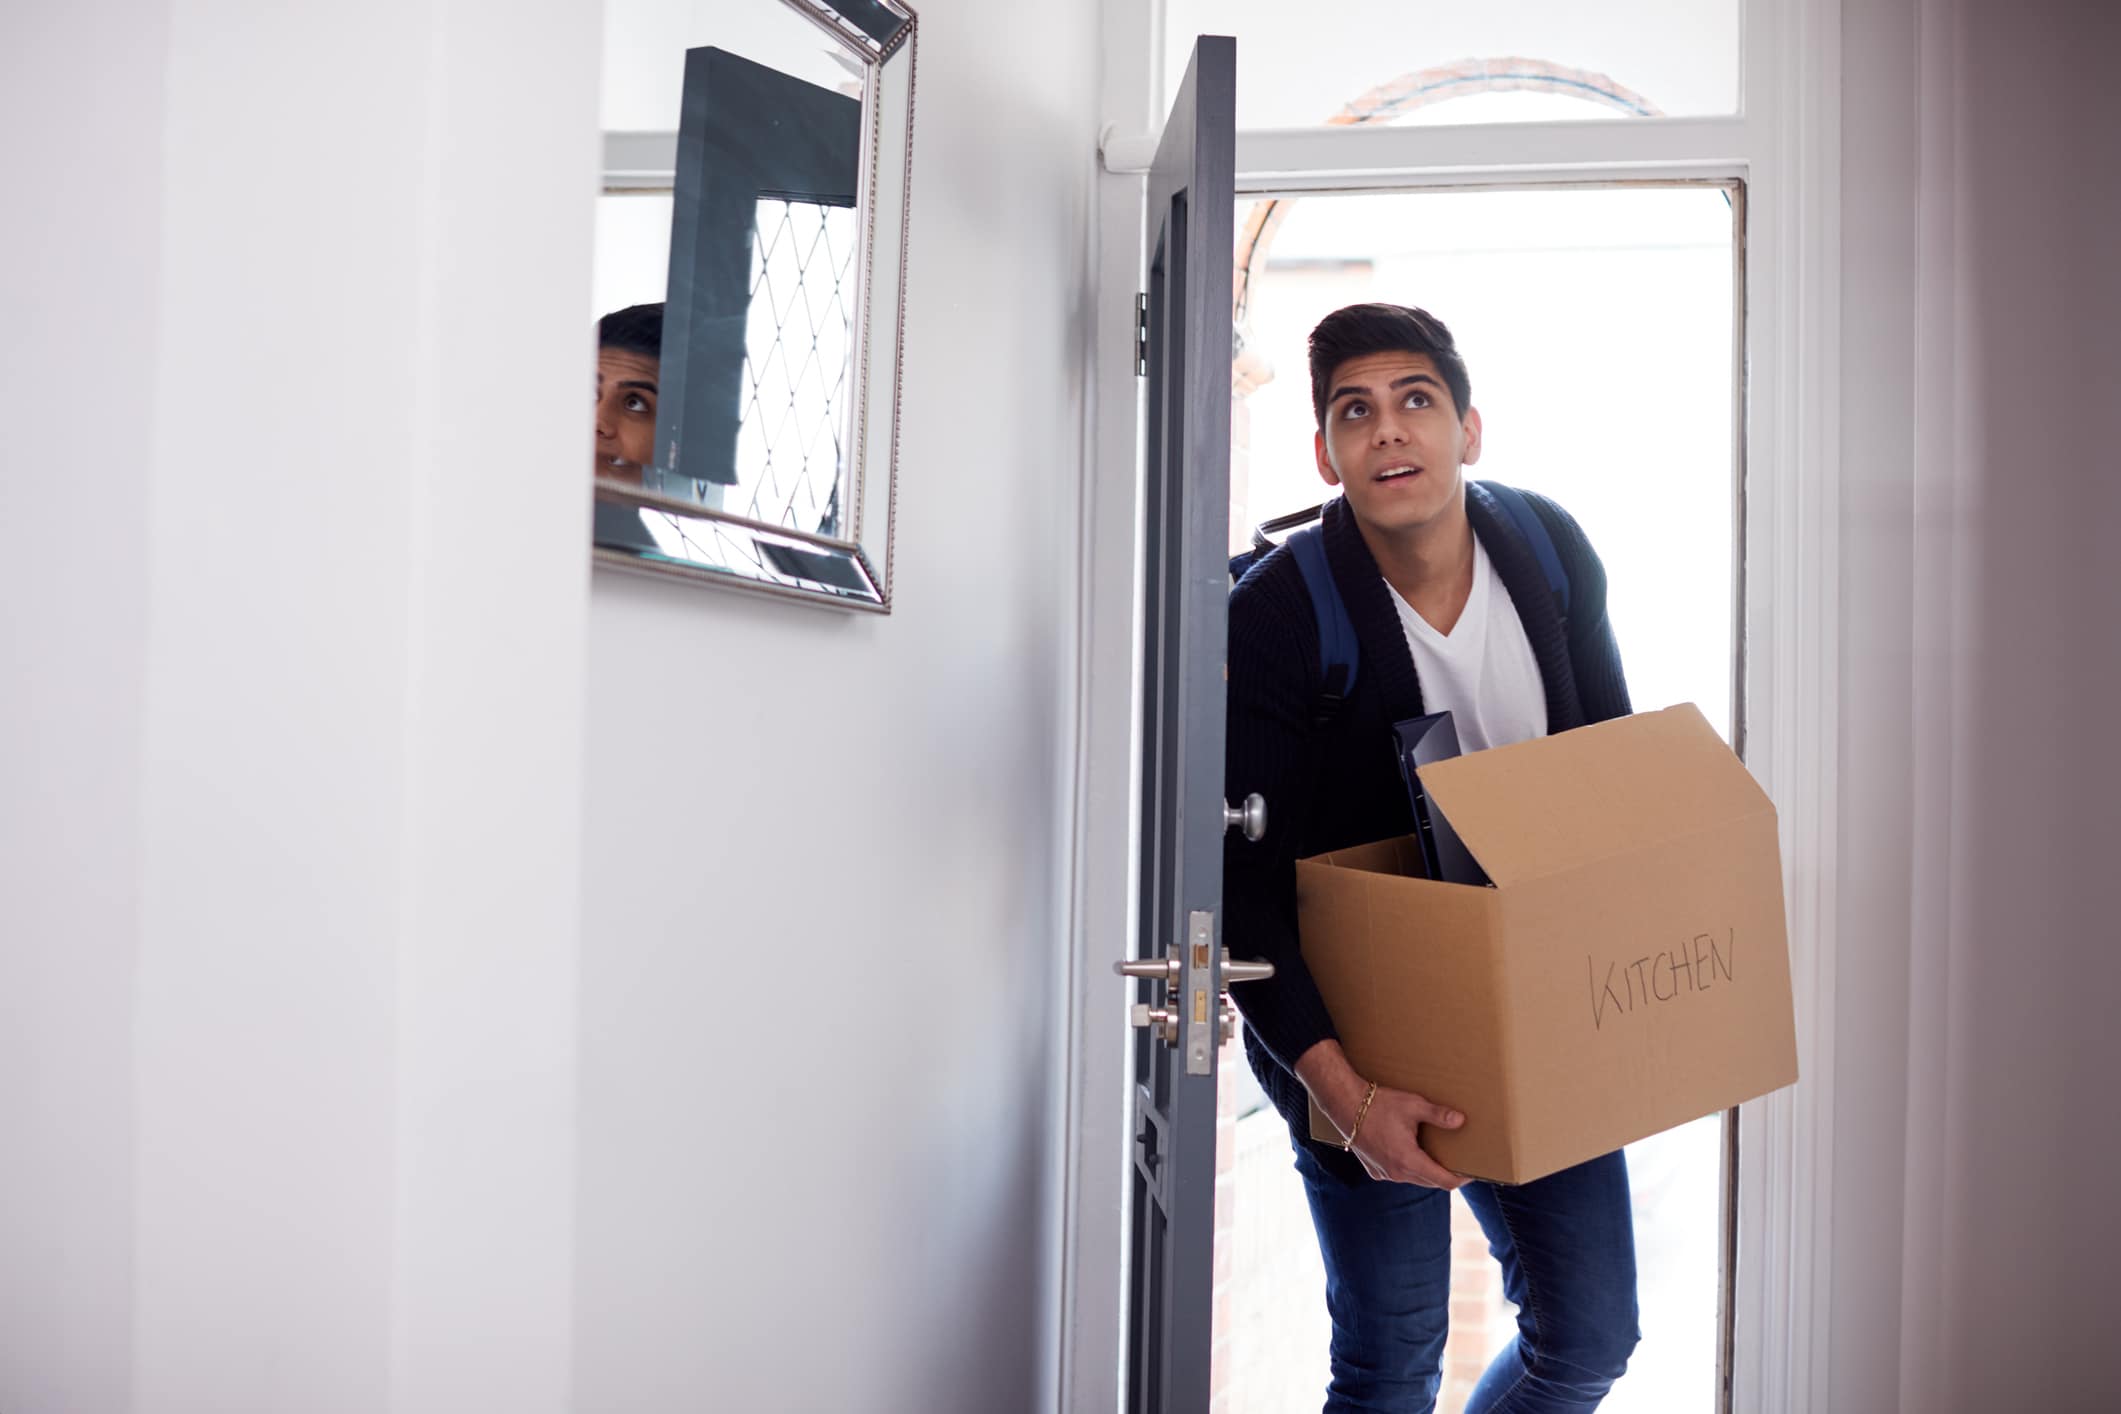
[1785,145]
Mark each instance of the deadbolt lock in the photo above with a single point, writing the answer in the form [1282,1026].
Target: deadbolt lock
[1162,1021]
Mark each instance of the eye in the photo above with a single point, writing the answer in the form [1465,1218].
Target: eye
[635,402]
[1354,410]
[1417,399]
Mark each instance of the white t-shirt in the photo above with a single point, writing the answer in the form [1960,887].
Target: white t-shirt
[1483,673]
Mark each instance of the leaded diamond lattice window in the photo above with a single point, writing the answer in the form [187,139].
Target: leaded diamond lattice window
[793,427]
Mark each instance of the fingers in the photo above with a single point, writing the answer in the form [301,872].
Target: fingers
[1427,1173]
[1422,1172]
[1417,1109]
[1418,1169]
[1442,1116]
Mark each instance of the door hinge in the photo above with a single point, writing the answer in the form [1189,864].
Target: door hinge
[1141,336]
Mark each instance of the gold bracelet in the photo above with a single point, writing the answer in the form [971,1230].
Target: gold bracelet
[1356,1128]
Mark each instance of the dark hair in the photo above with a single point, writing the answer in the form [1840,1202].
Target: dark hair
[1384,328]
[636,329]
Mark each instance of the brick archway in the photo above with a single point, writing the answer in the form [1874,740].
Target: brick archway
[1425,88]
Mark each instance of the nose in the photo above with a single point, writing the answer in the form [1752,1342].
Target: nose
[607,428]
[1387,431]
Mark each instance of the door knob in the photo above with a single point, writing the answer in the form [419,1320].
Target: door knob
[1251,817]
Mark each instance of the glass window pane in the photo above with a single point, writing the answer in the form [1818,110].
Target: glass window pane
[1498,61]
[1596,325]
[794,406]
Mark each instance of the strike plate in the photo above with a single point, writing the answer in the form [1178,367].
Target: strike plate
[1203,1020]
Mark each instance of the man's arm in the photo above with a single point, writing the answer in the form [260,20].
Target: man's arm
[1271,749]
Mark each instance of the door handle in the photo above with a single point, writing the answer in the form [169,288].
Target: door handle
[1164,1020]
[1251,817]
[1238,972]
[1164,970]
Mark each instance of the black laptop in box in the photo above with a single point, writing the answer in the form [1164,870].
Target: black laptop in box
[1419,742]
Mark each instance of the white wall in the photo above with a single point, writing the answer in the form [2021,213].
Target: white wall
[1977,1127]
[79,246]
[824,897]
[294,592]
[1879,189]
[331,953]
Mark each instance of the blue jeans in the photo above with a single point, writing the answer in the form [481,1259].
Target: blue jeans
[1567,1248]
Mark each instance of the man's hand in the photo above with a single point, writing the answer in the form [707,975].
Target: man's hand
[1389,1140]
[1389,1143]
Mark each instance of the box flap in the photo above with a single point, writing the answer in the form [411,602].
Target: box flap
[1559,802]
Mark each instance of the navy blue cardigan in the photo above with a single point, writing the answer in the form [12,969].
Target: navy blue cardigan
[1331,787]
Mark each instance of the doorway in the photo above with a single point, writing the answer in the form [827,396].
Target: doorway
[1601,327]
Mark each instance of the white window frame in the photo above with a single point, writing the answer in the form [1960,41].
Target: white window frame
[1784,144]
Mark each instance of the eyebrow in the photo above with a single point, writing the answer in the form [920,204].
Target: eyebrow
[1350,389]
[637,383]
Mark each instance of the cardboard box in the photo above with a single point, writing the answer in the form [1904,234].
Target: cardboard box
[1628,970]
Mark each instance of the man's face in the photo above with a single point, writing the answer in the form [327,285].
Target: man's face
[1392,440]
[626,394]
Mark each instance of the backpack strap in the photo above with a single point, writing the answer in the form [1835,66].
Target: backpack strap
[1339,654]
[1534,530]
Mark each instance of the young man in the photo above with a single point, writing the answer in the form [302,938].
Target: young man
[1452,612]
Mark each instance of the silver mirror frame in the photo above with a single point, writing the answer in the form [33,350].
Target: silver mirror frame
[637,163]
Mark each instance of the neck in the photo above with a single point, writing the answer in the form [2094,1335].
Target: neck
[1428,560]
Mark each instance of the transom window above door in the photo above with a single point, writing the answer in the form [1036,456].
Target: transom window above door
[1503,61]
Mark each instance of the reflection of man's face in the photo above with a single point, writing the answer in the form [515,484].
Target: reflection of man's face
[625,414]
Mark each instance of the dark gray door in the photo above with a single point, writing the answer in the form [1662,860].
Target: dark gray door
[1180,1017]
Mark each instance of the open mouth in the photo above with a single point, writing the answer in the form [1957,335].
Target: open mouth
[1398,473]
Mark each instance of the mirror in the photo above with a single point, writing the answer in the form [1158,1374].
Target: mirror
[750,268]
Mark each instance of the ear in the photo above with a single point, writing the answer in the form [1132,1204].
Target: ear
[1472,436]
[1325,465]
